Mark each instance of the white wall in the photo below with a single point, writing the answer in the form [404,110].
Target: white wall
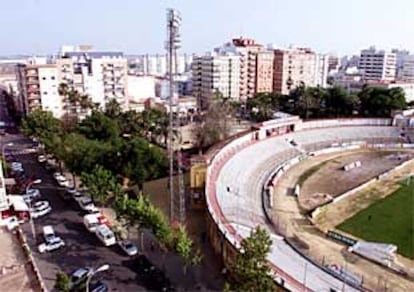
[50,99]
[141,87]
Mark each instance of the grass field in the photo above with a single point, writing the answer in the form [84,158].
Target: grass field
[390,220]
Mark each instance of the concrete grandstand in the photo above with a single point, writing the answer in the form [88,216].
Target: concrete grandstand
[236,178]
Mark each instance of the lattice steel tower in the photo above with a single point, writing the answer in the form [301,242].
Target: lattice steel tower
[177,199]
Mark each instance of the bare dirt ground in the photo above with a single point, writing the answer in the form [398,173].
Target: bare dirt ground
[331,180]
[290,221]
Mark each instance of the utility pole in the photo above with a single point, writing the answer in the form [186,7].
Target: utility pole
[177,201]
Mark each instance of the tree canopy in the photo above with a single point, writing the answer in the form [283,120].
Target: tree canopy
[250,272]
[332,102]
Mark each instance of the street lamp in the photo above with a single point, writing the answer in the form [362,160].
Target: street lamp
[95,271]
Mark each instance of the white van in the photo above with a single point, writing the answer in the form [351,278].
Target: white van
[48,233]
[105,235]
[91,222]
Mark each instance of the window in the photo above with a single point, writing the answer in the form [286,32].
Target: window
[43,78]
[45,92]
[53,77]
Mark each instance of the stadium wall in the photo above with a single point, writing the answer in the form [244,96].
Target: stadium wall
[224,238]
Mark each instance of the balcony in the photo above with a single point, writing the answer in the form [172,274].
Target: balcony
[33,89]
[32,97]
[32,72]
[32,80]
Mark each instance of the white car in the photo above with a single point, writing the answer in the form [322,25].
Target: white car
[39,209]
[86,204]
[51,245]
[61,179]
[16,164]
[41,158]
[128,247]
[35,193]
[30,195]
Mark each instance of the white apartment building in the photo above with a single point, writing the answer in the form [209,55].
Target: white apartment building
[39,87]
[377,64]
[406,72]
[157,65]
[101,75]
[321,70]
[216,73]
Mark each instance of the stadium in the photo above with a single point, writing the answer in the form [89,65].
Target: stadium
[251,180]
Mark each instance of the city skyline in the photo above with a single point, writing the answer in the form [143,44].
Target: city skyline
[137,28]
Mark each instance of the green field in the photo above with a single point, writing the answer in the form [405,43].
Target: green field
[390,220]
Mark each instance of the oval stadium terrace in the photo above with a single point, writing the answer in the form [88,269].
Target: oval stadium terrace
[237,173]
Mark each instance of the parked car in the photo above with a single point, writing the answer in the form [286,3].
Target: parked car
[10,222]
[52,244]
[48,233]
[40,209]
[77,196]
[98,286]
[78,276]
[86,204]
[105,234]
[41,158]
[128,247]
[30,195]
[61,179]
[33,192]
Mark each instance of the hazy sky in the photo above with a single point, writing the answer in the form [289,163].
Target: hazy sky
[138,26]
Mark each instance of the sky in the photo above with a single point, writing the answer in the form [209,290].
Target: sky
[138,26]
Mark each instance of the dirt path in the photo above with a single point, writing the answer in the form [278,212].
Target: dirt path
[292,224]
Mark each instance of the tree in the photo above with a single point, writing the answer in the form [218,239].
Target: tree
[380,102]
[100,183]
[141,161]
[100,127]
[40,124]
[62,282]
[113,109]
[185,249]
[250,272]
[215,125]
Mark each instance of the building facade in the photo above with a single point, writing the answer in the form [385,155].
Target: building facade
[102,76]
[216,73]
[295,67]
[39,88]
[406,69]
[377,64]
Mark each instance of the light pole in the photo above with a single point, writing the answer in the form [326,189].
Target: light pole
[37,181]
[97,270]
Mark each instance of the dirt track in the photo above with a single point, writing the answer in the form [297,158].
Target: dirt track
[292,224]
[332,180]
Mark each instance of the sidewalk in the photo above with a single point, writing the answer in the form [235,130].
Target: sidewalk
[203,277]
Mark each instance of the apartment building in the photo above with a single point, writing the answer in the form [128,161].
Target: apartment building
[406,69]
[377,64]
[216,73]
[264,72]
[39,87]
[157,65]
[100,75]
[297,66]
